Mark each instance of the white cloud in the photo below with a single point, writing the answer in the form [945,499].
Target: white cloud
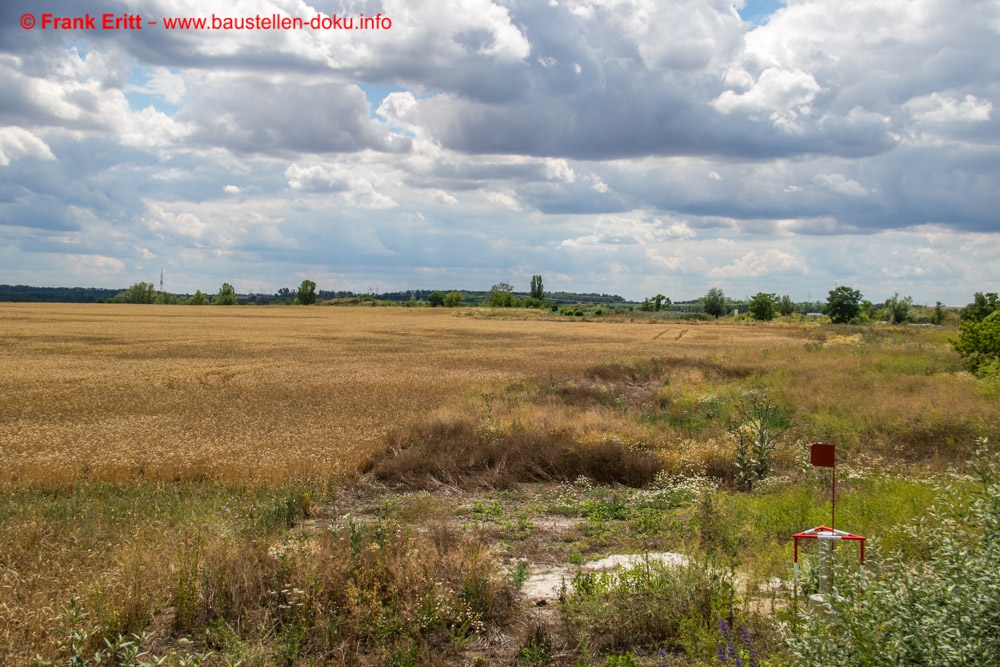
[780,94]
[503,200]
[17,142]
[636,228]
[840,185]
[352,184]
[936,108]
[443,197]
[755,264]
[231,189]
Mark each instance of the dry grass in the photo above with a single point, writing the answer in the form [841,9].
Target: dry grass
[461,454]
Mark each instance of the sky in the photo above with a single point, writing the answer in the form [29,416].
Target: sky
[632,147]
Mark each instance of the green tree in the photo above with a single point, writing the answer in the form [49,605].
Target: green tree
[843,304]
[436,298]
[306,295]
[938,316]
[897,310]
[537,291]
[226,296]
[785,306]
[979,343]
[167,298]
[139,293]
[453,299]
[501,296]
[197,299]
[762,306]
[714,302]
[981,307]
[655,304]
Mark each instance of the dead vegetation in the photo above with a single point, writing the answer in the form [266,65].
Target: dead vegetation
[463,454]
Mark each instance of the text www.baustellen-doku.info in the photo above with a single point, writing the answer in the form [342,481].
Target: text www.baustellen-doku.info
[48,21]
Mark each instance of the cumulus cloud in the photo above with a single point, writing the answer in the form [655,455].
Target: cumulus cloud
[936,108]
[755,264]
[840,185]
[16,142]
[631,229]
[351,187]
[780,95]
[279,115]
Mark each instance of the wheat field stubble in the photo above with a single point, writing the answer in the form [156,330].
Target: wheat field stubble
[125,393]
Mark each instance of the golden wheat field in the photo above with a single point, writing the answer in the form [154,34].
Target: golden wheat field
[126,392]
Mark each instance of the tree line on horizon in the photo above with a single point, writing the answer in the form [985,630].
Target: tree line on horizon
[843,305]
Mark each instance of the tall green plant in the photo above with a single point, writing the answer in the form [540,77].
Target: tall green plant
[757,425]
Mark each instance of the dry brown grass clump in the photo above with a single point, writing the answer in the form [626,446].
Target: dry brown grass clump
[461,453]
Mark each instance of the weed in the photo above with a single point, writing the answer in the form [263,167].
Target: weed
[759,424]
[645,605]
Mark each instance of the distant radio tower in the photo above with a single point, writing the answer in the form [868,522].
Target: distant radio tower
[161,281]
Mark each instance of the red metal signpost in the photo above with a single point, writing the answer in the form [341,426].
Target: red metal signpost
[825,456]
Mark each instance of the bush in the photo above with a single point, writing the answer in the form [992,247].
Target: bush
[979,342]
[436,298]
[897,310]
[453,299]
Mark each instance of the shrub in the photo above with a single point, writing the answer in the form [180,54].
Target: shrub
[979,342]
[897,309]
[453,299]
[436,298]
